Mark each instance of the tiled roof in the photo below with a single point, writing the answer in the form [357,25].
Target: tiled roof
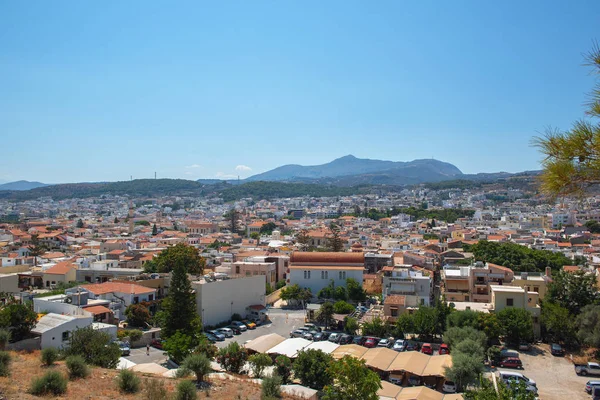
[395,299]
[119,287]
[327,257]
[60,269]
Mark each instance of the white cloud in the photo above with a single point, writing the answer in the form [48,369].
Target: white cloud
[223,175]
[243,168]
[193,166]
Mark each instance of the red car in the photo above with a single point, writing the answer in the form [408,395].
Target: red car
[157,344]
[511,362]
[444,349]
[427,349]
[371,342]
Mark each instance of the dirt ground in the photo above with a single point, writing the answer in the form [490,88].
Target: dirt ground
[555,376]
[101,384]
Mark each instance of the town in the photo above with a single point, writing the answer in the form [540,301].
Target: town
[396,282]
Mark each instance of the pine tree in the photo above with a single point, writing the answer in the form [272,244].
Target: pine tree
[303,240]
[80,223]
[154,230]
[36,248]
[335,242]
[179,307]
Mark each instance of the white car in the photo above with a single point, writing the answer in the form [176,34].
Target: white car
[449,387]
[227,332]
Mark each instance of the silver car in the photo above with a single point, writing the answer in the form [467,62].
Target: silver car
[227,332]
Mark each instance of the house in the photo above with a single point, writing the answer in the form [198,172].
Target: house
[483,275]
[374,262]
[54,329]
[404,280]
[533,282]
[512,296]
[315,270]
[126,293]
[268,270]
[455,283]
[63,272]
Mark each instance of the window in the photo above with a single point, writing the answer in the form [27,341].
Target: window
[509,302]
[306,274]
[394,311]
[422,302]
[324,274]
[237,269]
[342,275]
[65,336]
[247,273]
[150,297]
[136,300]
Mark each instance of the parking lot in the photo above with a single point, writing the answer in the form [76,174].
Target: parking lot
[139,356]
[281,322]
[555,376]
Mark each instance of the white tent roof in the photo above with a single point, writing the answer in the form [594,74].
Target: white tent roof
[290,347]
[325,346]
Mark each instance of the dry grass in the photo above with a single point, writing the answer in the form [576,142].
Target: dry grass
[101,385]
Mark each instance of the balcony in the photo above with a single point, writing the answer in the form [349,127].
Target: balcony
[481,298]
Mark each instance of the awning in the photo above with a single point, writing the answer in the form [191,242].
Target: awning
[437,365]
[410,361]
[263,343]
[379,358]
[353,350]
[388,390]
[419,393]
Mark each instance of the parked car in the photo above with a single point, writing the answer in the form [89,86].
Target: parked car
[249,324]
[125,349]
[335,337]
[427,349]
[524,346]
[412,346]
[399,345]
[235,329]
[226,331]
[220,336]
[362,309]
[449,387]
[511,362]
[414,380]
[385,343]
[596,393]
[240,325]
[371,342]
[589,385]
[510,377]
[211,338]
[312,327]
[297,333]
[157,343]
[395,381]
[557,350]
[590,368]
[444,349]
[345,339]
[359,340]
[320,336]
[308,336]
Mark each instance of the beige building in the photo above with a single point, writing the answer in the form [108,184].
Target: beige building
[456,284]
[533,282]
[514,296]
[63,272]
[482,276]
[241,269]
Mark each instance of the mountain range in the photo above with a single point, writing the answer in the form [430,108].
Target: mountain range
[21,185]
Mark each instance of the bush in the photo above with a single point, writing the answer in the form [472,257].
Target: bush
[199,364]
[77,367]
[236,317]
[342,307]
[49,356]
[155,390]
[232,357]
[258,363]
[94,346]
[271,387]
[135,335]
[5,360]
[128,381]
[283,368]
[207,348]
[53,382]
[138,315]
[186,390]
[4,338]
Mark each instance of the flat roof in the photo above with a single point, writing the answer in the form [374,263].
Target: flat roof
[51,321]
[507,289]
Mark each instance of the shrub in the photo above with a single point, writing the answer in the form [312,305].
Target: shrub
[283,368]
[236,317]
[49,355]
[199,364]
[271,387]
[4,338]
[52,382]
[77,367]
[232,357]
[94,346]
[5,360]
[138,315]
[128,381]
[258,363]
[207,348]
[342,307]
[135,335]
[155,390]
[182,372]
[186,390]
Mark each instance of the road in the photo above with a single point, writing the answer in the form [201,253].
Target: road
[282,323]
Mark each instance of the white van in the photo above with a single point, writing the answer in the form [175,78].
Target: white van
[509,376]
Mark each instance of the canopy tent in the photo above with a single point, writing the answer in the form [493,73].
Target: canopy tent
[290,347]
[410,361]
[419,393]
[263,343]
[388,390]
[353,350]
[379,358]
[325,346]
[437,365]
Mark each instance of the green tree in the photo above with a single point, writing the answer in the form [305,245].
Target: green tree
[293,294]
[179,307]
[405,324]
[465,370]
[425,322]
[283,368]
[485,391]
[178,346]
[80,223]
[374,327]
[186,390]
[303,240]
[558,323]
[355,290]
[334,242]
[442,311]
[588,326]
[573,290]
[489,324]
[206,347]
[233,220]
[341,307]
[571,165]
[268,228]
[453,336]
[154,230]
[96,347]
[36,248]
[258,363]
[352,380]
[255,235]
[232,357]
[339,293]
[311,367]
[199,364]
[116,221]
[325,314]
[471,347]
[271,387]
[4,338]
[19,318]
[180,255]
[517,325]
[138,315]
[350,325]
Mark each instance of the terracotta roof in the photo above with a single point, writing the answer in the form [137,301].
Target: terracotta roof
[326,257]
[98,310]
[395,299]
[119,287]
[336,267]
[60,269]
[571,268]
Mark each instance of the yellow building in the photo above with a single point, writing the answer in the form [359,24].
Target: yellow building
[532,282]
[513,296]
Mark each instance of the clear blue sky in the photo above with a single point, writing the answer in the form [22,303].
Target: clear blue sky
[96,91]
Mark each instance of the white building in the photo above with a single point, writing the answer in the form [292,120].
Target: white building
[406,281]
[217,301]
[54,329]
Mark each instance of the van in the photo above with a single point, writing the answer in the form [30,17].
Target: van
[509,376]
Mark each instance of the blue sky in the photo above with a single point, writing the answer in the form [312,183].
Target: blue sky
[98,91]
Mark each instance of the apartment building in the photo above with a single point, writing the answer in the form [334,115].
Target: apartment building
[406,281]
[472,283]
[512,296]
[315,270]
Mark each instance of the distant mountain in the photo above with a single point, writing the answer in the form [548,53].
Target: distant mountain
[353,170]
[21,185]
